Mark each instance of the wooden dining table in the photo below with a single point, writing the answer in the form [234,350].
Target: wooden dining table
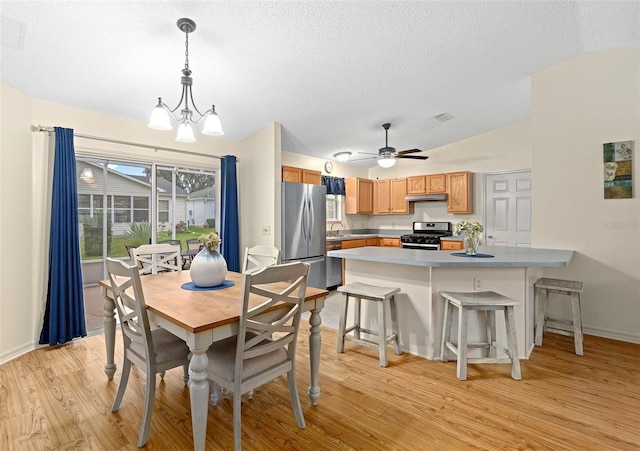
[201,318]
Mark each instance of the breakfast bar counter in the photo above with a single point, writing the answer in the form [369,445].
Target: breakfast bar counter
[422,274]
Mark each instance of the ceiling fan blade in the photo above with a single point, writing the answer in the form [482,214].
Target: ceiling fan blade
[413,157]
[360,159]
[404,152]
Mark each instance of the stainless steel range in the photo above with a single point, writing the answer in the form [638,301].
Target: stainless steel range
[426,235]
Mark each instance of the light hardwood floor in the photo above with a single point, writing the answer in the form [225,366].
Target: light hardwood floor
[59,398]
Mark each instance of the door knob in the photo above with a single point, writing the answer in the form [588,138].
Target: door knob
[490,236]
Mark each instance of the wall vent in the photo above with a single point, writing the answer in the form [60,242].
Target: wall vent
[444,117]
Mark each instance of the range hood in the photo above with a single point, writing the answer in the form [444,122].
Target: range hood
[426,197]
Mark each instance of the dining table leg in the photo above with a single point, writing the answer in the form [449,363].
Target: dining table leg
[315,341]
[199,395]
[109,333]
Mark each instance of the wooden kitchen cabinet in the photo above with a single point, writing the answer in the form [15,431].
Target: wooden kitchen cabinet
[372,241]
[359,196]
[451,245]
[389,242]
[350,244]
[427,184]
[389,196]
[459,198]
[301,175]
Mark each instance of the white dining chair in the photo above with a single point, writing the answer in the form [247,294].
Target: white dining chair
[153,351]
[154,258]
[259,257]
[242,363]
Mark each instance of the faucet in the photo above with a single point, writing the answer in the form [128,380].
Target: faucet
[337,231]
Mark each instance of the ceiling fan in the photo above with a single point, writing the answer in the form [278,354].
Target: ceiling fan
[387,155]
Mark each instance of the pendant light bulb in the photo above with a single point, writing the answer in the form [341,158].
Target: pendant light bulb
[160,118]
[212,125]
[386,161]
[185,133]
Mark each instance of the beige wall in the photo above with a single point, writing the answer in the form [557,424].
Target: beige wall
[577,107]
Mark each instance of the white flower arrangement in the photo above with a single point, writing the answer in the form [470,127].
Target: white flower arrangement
[470,229]
[211,240]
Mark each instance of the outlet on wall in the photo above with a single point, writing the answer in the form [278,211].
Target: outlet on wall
[477,284]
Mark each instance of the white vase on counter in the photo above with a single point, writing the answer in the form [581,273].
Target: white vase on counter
[208,268]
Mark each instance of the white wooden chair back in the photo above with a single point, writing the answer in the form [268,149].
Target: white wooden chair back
[260,257]
[154,258]
[194,244]
[132,310]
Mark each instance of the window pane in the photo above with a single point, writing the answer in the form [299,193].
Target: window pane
[122,215]
[163,205]
[140,215]
[122,202]
[97,201]
[163,216]
[84,200]
[140,202]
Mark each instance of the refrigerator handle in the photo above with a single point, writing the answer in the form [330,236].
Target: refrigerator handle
[312,218]
[304,218]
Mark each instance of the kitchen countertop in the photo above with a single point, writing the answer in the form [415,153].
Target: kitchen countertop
[359,236]
[503,257]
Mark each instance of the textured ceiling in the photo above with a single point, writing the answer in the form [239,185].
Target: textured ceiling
[330,72]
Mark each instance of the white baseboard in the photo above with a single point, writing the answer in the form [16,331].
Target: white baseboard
[612,334]
[16,352]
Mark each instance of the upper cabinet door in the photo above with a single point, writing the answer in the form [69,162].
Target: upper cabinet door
[359,196]
[291,174]
[398,194]
[436,183]
[459,198]
[417,184]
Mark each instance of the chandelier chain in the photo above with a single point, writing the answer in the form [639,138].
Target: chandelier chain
[186,51]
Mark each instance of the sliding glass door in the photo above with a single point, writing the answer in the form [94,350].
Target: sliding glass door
[125,204]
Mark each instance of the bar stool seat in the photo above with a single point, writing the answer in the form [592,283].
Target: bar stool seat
[385,297]
[573,327]
[488,301]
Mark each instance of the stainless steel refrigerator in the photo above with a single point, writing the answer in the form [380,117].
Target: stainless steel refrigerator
[304,228]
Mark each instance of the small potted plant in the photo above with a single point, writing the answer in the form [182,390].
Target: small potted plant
[471,231]
[208,268]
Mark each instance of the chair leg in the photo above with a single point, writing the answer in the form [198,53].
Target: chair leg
[215,393]
[491,333]
[237,416]
[541,299]
[394,325]
[577,323]
[126,369]
[382,333]
[185,373]
[512,339]
[462,344]
[149,398]
[356,317]
[342,326]
[295,399]
[446,331]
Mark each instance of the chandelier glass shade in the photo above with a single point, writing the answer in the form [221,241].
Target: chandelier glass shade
[162,114]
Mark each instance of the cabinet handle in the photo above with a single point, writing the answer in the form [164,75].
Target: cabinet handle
[490,236]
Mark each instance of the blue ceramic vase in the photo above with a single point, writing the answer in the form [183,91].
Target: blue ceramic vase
[208,268]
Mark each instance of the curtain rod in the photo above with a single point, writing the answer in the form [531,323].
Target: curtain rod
[42,128]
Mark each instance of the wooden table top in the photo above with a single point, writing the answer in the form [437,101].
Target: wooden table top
[197,311]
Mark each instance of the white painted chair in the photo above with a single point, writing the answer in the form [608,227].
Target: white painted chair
[154,258]
[490,302]
[152,351]
[259,257]
[573,327]
[385,298]
[243,363]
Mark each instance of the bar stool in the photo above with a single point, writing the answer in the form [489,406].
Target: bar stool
[572,288]
[489,301]
[384,296]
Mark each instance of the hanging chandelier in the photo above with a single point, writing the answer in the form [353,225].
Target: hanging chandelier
[162,114]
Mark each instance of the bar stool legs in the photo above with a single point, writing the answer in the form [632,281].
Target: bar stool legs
[385,297]
[489,302]
[571,288]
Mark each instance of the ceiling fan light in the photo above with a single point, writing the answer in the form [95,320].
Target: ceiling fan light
[159,118]
[386,161]
[185,133]
[342,156]
[212,125]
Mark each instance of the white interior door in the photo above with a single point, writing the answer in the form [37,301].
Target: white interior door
[507,209]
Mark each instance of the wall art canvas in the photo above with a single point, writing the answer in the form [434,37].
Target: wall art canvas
[618,158]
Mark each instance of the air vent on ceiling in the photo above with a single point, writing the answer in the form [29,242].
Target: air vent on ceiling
[13,33]
[444,117]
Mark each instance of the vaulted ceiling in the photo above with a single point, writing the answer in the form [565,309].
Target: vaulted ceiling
[331,72]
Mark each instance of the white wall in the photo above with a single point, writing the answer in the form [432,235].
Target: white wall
[577,107]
